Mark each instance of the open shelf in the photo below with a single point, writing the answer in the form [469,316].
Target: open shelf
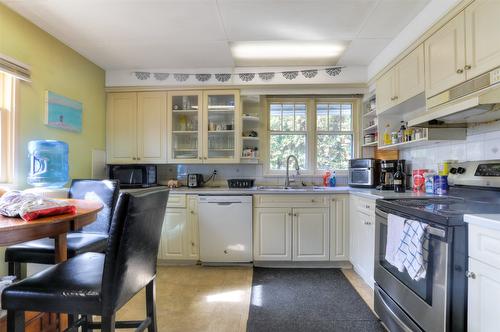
[250,118]
[370,144]
[249,138]
[371,113]
[372,128]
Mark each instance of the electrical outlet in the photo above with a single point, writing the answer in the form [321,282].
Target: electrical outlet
[495,76]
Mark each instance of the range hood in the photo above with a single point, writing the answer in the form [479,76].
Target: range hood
[474,101]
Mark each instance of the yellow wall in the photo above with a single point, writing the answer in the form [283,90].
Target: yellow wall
[58,68]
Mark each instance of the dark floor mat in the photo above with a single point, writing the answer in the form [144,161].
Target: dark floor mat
[307,300]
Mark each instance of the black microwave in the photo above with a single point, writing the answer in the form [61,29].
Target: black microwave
[134,176]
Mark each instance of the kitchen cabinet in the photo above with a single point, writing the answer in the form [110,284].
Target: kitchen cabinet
[179,238]
[339,228]
[362,237]
[483,278]
[482,32]
[272,234]
[204,126]
[445,57]
[136,127]
[404,81]
[310,232]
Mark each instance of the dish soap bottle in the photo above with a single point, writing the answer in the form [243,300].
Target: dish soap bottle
[333,180]
[387,135]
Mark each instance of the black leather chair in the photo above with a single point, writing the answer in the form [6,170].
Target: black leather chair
[100,284]
[91,238]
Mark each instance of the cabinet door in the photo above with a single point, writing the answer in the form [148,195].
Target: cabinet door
[152,127]
[221,132]
[484,292]
[354,231]
[385,91]
[311,234]
[445,57]
[121,124]
[339,228]
[410,75]
[367,247]
[173,235]
[185,117]
[272,234]
[193,241]
[482,33]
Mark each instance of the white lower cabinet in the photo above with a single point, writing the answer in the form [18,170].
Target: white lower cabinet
[311,236]
[179,238]
[272,234]
[301,228]
[483,299]
[362,237]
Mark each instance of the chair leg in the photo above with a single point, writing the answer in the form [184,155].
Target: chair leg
[88,320]
[108,323]
[151,305]
[15,321]
[15,269]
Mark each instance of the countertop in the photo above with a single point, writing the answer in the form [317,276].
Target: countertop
[484,220]
[367,193]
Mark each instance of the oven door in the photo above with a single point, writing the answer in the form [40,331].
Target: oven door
[424,301]
[360,177]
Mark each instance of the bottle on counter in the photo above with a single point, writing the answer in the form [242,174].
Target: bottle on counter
[332,182]
[399,179]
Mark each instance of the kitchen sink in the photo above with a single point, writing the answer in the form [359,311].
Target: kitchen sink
[282,188]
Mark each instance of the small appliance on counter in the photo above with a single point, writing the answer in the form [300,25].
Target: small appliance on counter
[194,180]
[387,170]
[364,173]
[134,176]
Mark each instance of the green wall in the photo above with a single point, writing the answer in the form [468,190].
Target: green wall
[58,68]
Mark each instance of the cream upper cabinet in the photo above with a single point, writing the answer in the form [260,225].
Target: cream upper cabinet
[136,127]
[482,33]
[409,75]
[386,92]
[403,81]
[121,118]
[152,127]
[204,127]
[185,118]
[311,237]
[445,57]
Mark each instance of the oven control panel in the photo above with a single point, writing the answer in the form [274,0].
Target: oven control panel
[476,173]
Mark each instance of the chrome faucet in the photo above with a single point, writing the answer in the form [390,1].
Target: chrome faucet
[287,179]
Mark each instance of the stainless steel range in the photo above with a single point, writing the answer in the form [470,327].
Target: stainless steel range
[437,302]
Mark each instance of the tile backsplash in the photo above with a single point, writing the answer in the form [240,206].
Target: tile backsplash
[237,171]
[482,143]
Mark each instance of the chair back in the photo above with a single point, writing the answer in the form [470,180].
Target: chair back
[133,242]
[104,191]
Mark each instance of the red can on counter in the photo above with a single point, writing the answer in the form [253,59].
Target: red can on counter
[419,180]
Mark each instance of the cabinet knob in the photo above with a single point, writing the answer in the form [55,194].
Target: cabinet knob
[367,206]
[200,158]
[138,158]
[192,212]
[313,201]
[290,214]
[295,214]
[205,158]
[225,251]
[192,244]
[470,275]
[468,67]
[460,71]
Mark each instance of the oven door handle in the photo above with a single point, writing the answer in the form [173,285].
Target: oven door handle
[430,229]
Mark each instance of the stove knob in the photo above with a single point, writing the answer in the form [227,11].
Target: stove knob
[453,170]
[461,170]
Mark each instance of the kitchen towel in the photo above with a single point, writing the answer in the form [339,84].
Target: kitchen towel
[414,248]
[395,225]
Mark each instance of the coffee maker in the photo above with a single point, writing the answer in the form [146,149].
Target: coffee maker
[387,170]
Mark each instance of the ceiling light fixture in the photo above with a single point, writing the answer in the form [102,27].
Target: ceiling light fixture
[286,50]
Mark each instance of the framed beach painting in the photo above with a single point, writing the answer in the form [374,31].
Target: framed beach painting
[62,112]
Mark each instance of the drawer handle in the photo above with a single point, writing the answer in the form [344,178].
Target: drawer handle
[468,67]
[367,206]
[460,71]
[470,275]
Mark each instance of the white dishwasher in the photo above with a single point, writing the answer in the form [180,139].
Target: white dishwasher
[225,224]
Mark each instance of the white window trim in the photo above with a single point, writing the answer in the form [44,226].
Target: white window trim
[8,131]
[311,132]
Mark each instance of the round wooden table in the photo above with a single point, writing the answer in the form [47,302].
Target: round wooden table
[16,230]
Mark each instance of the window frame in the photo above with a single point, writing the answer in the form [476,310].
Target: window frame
[312,132]
[8,128]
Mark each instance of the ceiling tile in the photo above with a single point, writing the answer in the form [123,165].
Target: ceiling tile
[253,20]
[390,17]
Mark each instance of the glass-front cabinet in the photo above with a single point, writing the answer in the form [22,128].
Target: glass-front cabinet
[203,126]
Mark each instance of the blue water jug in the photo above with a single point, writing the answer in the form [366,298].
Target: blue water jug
[48,163]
